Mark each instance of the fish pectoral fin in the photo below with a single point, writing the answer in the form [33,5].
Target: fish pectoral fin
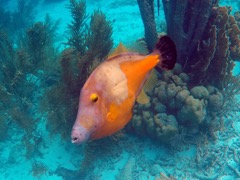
[143,98]
[110,117]
[113,113]
[148,87]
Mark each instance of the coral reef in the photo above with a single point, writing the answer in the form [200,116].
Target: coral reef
[207,39]
[174,105]
[31,69]
[193,111]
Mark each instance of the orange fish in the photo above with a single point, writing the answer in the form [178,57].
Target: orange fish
[108,96]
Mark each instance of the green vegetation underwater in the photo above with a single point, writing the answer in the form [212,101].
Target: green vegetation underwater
[188,130]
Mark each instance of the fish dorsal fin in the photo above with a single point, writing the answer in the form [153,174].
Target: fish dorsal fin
[148,87]
[118,50]
[143,98]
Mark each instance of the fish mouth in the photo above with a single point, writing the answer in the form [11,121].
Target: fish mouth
[78,141]
[75,140]
[79,135]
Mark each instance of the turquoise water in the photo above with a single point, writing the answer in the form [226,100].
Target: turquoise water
[42,74]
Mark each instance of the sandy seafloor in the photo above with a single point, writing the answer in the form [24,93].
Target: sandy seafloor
[142,156]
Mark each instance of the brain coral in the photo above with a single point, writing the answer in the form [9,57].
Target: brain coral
[166,126]
[216,99]
[193,111]
[199,92]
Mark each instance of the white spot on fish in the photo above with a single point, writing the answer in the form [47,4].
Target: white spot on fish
[112,82]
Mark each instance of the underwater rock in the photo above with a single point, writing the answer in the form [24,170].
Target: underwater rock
[177,69]
[144,106]
[150,127]
[138,125]
[215,102]
[216,99]
[161,126]
[184,77]
[172,90]
[146,114]
[160,92]
[199,92]
[178,81]
[212,89]
[167,75]
[181,97]
[158,106]
[193,112]
[167,126]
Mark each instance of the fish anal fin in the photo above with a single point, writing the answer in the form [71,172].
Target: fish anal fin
[143,98]
[148,87]
[151,81]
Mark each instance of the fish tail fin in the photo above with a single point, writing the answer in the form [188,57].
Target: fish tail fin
[167,52]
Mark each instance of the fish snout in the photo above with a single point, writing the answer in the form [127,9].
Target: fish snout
[79,135]
[75,139]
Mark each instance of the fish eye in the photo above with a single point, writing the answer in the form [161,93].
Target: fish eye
[94,97]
